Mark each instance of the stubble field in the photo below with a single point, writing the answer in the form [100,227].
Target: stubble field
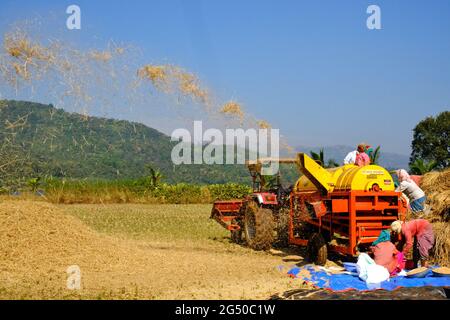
[131,251]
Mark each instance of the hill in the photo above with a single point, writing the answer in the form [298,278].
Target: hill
[48,141]
[62,144]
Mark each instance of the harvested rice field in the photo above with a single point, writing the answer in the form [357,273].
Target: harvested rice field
[130,251]
[146,251]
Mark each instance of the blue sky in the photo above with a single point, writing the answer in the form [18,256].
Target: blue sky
[312,68]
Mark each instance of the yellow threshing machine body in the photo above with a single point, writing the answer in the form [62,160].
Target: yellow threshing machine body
[345,178]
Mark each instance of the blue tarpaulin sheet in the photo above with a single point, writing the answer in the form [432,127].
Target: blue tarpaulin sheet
[343,282]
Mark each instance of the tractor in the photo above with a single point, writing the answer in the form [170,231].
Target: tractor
[261,218]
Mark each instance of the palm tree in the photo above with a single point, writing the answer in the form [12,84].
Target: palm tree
[421,167]
[155,176]
[320,159]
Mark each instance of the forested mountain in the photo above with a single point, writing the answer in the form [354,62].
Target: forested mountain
[63,144]
[40,140]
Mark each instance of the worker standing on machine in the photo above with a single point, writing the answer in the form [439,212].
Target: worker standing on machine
[351,157]
[415,195]
[420,229]
[362,159]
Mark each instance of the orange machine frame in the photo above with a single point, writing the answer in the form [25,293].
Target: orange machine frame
[358,216]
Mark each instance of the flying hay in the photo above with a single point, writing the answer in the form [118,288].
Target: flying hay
[264,124]
[174,80]
[156,74]
[24,56]
[103,56]
[234,109]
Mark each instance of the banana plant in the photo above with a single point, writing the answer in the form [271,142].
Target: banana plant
[375,155]
[421,167]
[155,176]
[34,183]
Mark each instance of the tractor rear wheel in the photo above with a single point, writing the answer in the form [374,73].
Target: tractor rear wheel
[258,227]
[317,249]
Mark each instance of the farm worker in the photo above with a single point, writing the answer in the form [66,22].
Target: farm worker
[385,235]
[362,159]
[422,230]
[385,254]
[350,157]
[411,190]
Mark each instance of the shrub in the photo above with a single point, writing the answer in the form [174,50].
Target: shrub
[139,191]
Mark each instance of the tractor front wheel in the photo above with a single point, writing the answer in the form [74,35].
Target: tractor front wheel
[258,227]
[317,249]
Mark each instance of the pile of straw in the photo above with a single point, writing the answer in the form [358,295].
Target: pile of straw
[441,251]
[39,236]
[436,186]
[39,241]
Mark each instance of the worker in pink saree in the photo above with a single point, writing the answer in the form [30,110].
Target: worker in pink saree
[362,159]
[385,254]
[420,229]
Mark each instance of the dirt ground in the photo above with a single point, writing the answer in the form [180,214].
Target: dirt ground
[132,252]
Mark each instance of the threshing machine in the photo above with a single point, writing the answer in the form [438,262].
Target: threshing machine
[341,209]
